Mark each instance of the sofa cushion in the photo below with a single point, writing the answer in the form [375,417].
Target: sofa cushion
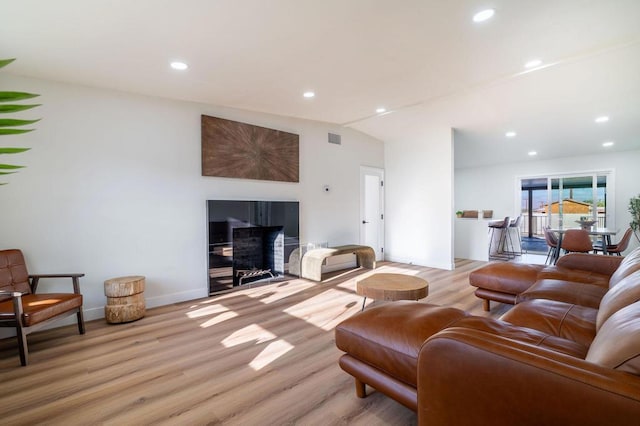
[524,335]
[624,293]
[578,293]
[583,267]
[389,336]
[509,278]
[575,275]
[565,320]
[617,344]
[629,265]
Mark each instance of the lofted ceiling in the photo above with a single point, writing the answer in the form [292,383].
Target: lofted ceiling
[425,61]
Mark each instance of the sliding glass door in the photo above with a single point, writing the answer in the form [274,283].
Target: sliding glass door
[565,199]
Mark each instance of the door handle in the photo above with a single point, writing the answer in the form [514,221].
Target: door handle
[364,221]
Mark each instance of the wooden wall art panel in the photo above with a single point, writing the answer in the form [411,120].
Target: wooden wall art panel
[240,150]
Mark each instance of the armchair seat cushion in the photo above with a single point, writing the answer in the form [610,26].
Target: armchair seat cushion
[41,307]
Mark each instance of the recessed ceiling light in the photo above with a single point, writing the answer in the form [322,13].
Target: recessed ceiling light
[381,110]
[181,66]
[607,144]
[532,153]
[308,94]
[510,134]
[602,119]
[533,63]
[483,15]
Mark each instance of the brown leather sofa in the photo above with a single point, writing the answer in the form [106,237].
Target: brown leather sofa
[515,282]
[567,353]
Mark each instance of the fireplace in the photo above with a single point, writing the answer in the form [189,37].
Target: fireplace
[249,241]
[258,252]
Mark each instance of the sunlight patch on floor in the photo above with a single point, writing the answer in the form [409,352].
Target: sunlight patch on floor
[258,335]
[219,312]
[277,291]
[206,311]
[340,276]
[219,318]
[315,312]
[250,333]
[273,351]
[396,270]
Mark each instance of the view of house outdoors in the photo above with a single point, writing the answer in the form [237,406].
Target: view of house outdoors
[560,202]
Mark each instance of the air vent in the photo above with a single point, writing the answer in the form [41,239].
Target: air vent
[333,138]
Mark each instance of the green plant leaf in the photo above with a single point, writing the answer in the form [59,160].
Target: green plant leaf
[6,122]
[5,62]
[16,96]
[8,125]
[16,108]
[13,150]
[14,131]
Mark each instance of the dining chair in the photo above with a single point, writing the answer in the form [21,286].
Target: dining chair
[619,247]
[552,242]
[577,240]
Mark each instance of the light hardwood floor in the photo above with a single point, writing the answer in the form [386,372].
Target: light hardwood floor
[263,355]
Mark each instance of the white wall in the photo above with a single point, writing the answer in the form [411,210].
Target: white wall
[419,199]
[496,188]
[114,187]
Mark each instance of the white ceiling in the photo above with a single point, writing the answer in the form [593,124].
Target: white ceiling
[425,60]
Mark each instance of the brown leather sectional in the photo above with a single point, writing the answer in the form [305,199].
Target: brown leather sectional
[568,352]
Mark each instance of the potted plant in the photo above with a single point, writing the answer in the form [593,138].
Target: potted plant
[8,125]
[634,209]
[459,213]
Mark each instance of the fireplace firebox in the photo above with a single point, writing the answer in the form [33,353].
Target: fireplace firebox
[258,251]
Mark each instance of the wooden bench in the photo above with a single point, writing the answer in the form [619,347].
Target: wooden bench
[312,261]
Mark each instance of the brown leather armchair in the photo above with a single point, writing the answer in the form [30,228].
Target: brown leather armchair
[26,311]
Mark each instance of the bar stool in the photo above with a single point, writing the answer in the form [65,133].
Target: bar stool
[515,224]
[501,251]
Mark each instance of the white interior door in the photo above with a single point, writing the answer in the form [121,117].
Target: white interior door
[372,209]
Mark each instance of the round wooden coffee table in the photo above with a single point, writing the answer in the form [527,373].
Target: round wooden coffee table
[392,287]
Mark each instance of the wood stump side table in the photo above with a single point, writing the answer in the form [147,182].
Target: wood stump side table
[387,286]
[125,299]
